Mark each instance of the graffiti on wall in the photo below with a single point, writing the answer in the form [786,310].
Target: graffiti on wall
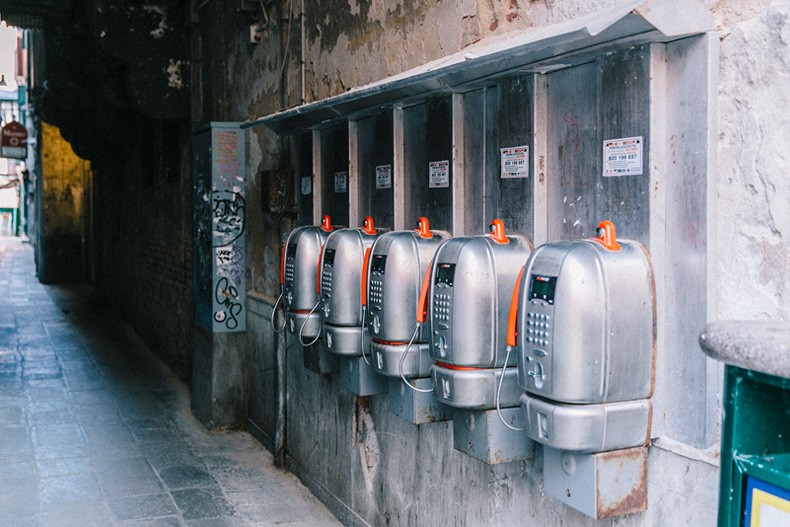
[228,216]
[219,219]
[227,231]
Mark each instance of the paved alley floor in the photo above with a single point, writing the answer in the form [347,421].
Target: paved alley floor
[96,431]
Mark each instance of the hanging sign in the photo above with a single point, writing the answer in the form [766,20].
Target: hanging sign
[13,144]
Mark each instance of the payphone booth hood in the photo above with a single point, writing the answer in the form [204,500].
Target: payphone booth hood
[586,322]
[398,261]
[342,262]
[300,267]
[471,286]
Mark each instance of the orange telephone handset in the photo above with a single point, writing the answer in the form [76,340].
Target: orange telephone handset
[422,303]
[365,277]
[512,331]
[424,227]
[607,236]
[497,229]
[368,226]
[318,270]
[282,263]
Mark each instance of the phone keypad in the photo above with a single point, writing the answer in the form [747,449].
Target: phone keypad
[375,291]
[441,307]
[539,330]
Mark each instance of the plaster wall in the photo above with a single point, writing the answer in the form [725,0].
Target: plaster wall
[753,221]
[367,464]
[66,180]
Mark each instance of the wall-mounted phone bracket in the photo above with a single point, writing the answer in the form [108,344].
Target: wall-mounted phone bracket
[602,485]
[418,408]
[480,434]
[319,360]
[359,378]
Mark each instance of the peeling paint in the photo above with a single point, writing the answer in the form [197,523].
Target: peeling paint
[159,32]
[174,79]
[367,442]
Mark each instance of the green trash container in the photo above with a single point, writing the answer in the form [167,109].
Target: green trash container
[755,439]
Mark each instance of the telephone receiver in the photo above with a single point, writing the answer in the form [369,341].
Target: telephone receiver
[607,235]
[512,330]
[422,303]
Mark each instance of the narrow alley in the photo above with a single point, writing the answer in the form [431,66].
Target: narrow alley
[94,430]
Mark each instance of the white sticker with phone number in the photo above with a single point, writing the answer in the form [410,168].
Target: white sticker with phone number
[383,176]
[622,157]
[341,182]
[514,162]
[439,174]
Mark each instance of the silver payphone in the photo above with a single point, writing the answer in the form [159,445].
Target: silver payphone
[398,261]
[299,276]
[343,263]
[586,343]
[471,284]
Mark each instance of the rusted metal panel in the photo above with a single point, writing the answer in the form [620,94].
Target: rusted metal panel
[601,485]
[621,482]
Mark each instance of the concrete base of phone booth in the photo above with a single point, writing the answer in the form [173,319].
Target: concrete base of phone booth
[416,407]
[482,435]
[318,360]
[359,378]
[601,485]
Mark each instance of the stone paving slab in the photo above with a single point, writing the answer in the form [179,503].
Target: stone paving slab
[94,430]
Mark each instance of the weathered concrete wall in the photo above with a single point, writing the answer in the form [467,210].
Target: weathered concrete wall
[754,187]
[66,181]
[367,464]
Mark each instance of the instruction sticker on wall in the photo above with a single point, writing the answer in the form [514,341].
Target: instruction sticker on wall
[514,162]
[341,182]
[439,174]
[622,157]
[383,177]
[307,185]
